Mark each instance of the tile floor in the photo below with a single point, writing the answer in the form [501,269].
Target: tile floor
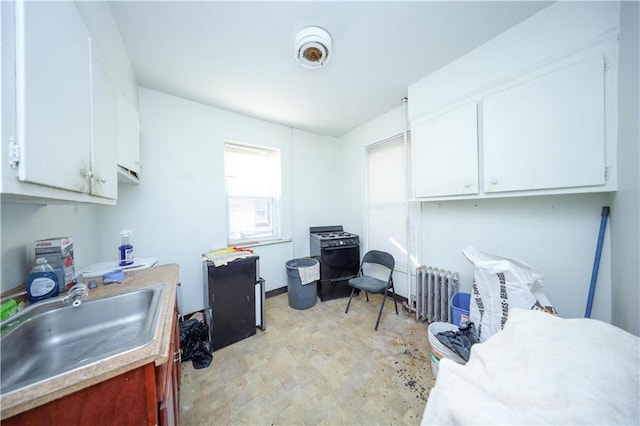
[315,366]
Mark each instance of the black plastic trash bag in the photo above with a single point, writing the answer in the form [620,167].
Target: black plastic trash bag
[193,335]
[460,341]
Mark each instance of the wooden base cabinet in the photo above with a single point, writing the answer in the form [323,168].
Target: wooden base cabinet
[168,382]
[147,395]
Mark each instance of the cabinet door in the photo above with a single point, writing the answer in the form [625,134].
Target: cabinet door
[548,132]
[445,153]
[128,136]
[104,172]
[168,382]
[53,95]
[232,301]
[126,399]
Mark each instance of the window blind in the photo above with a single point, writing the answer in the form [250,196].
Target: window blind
[386,199]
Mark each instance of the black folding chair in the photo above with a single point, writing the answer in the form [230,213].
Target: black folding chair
[375,265]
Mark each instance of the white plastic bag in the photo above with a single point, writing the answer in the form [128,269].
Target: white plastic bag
[500,284]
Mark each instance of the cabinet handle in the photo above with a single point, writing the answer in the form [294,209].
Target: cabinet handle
[467,185]
[14,153]
[102,180]
[494,182]
[88,174]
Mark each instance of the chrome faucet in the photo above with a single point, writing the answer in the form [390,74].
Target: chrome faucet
[74,295]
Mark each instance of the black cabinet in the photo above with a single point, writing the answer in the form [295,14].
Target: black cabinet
[230,300]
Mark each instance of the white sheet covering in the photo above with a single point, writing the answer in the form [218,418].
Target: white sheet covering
[542,369]
[309,274]
[222,258]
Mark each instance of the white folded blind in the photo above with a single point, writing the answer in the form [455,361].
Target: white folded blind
[386,199]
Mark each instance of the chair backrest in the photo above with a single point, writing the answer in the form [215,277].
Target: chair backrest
[381,258]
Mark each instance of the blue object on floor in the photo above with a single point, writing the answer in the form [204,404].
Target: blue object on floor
[460,307]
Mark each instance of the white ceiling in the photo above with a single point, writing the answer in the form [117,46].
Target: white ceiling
[239,56]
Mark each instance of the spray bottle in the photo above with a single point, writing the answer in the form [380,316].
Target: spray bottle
[126,249]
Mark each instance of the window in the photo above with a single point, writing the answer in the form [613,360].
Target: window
[252,177]
[387,214]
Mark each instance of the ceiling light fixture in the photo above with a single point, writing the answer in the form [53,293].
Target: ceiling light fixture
[313,47]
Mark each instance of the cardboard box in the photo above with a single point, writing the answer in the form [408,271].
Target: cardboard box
[59,254]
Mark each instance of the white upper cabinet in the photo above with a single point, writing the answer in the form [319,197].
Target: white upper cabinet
[61,109]
[104,154]
[547,132]
[128,141]
[447,149]
[53,91]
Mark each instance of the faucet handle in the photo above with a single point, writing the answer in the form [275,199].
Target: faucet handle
[77,292]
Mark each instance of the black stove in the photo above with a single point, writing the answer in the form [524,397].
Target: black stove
[335,238]
[339,255]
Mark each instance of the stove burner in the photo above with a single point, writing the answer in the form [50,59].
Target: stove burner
[328,235]
[333,236]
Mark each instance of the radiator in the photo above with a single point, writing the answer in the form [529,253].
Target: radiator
[434,289]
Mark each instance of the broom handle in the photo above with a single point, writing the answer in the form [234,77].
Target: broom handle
[596,262]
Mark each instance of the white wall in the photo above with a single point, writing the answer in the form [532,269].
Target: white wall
[625,207]
[554,234]
[313,192]
[178,211]
[22,224]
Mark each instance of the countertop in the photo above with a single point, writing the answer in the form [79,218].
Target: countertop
[156,352]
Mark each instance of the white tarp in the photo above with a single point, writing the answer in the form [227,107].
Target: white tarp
[542,369]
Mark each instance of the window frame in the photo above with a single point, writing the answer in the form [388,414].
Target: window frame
[273,200]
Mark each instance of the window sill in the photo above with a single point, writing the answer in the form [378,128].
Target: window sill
[262,243]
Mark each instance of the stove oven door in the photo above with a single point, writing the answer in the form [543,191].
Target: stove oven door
[337,266]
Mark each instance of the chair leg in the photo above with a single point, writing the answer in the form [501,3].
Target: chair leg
[352,290]
[394,297]
[384,297]
[366,294]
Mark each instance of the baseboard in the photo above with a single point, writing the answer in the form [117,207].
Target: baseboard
[281,290]
[400,299]
[275,292]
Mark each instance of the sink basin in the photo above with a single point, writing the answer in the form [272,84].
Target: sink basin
[59,339]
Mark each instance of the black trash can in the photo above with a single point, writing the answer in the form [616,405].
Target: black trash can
[301,296]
